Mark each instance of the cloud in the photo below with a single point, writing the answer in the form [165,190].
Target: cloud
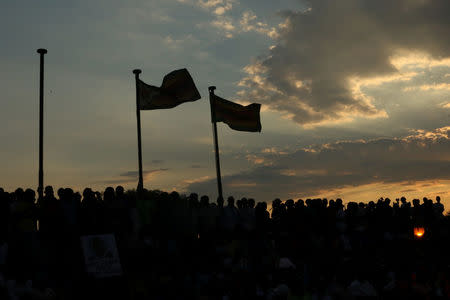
[182,186]
[410,59]
[211,3]
[132,176]
[249,22]
[224,24]
[218,7]
[274,150]
[421,156]
[309,74]
[229,25]
[180,43]
[145,174]
[430,87]
[196,167]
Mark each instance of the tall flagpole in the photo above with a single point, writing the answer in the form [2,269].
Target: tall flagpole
[136,73]
[41,52]
[216,143]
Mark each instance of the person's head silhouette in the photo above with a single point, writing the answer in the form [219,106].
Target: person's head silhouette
[289,203]
[339,204]
[48,191]
[119,191]
[239,203]
[276,203]
[251,203]
[108,195]
[60,193]
[220,201]
[29,195]
[193,200]
[68,194]
[77,197]
[244,202]
[98,196]
[230,201]
[204,201]
[19,194]
[87,194]
[174,196]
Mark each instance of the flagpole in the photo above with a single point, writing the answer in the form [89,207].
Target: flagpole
[136,73]
[216,143]
[41,52]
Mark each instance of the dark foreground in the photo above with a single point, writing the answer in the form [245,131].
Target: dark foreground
[116,245]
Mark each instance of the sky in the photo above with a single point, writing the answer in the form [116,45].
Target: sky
[355,96]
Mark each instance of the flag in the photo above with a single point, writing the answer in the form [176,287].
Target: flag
[177,87]
[236,116]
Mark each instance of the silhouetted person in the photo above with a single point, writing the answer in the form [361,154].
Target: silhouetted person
[320,250]
[220,202]
[70,208]
[5,210]
[230,216]
[72,263]
[438,207]
[49,215]
[23,241]
[91,214]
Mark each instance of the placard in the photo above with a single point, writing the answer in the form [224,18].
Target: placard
[101,255]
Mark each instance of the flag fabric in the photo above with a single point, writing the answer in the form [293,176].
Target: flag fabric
[177,87]
[236,116]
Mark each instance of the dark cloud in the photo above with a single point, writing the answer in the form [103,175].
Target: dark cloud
[307,73]
[408,190]
[132,176]
[135,174]
[196,167]
[306,172]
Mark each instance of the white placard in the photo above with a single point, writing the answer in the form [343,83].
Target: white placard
[101,255]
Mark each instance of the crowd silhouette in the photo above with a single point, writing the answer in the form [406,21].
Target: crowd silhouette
[173,246]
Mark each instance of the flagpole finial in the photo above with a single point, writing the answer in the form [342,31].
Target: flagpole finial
[137,71]
[41,51]
[211,89]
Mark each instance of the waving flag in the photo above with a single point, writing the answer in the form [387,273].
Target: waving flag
[236,116]
[177,87]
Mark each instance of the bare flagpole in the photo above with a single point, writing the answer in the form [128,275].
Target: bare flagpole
[216,143]
[140,187]
[41,52]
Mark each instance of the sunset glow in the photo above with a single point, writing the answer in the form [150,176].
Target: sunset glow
[343,116]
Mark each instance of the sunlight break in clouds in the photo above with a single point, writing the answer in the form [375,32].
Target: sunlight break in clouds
[308,74]
[132,176]
[344,165]
[249,22]
[430,87]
